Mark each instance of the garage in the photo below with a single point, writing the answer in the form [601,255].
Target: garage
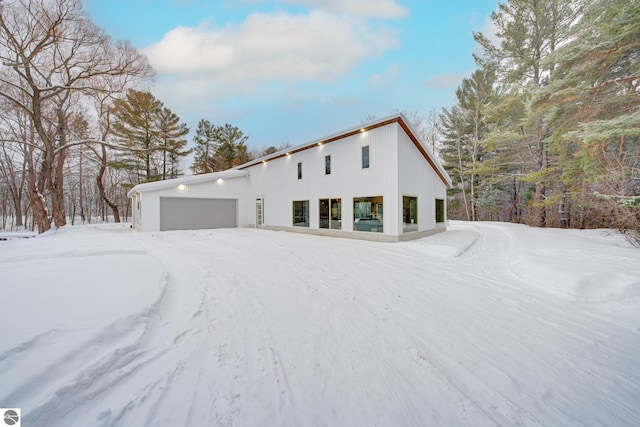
[183,213]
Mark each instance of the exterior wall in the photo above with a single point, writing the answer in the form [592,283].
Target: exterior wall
[277,182]
[396,169]
[148,217]
[417,178]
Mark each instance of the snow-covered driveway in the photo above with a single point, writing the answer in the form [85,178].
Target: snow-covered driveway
[103,326]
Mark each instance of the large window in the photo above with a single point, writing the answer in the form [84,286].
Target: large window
[439,210]
[327,165]
[367,214]
[301,213]
[299,170]
[331,214]
[365,157]
[409,213]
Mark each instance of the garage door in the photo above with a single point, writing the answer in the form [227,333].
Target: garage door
[178,213]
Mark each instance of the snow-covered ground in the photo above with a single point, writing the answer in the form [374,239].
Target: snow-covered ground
[487,324]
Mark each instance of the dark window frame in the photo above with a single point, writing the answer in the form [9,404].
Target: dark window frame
[300,217]
[365,157]
[368,214]
[440,211]
[330,213]
[299,170]
[409,213]
[327,164]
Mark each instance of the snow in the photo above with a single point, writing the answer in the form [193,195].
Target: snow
[486,324]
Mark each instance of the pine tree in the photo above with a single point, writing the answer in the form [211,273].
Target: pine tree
[463,128]
[594,104]
[171,141]
[206,144]
[232,150]
[529,33]
[135,126]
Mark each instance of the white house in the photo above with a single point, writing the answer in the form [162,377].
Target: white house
[377,181]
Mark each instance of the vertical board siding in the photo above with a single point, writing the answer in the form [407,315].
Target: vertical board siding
[277,181]
[417,178]
[228,188]
[396,168]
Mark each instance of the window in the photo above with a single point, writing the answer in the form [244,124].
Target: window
[327,165]
[409,213]
[299,170]
[365,157]
[439,210]
[301,213]
[331,214]
[367,214]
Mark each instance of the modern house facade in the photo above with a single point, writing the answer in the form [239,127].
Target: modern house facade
[377,181]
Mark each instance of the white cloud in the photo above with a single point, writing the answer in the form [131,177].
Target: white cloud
[267,48]
[385,9]
[445,81]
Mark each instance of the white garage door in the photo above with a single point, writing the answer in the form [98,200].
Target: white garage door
[181,213]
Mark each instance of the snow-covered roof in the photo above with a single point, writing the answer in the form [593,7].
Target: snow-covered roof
[399,118]
[191,179]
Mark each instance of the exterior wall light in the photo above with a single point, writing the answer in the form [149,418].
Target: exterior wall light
[182,187]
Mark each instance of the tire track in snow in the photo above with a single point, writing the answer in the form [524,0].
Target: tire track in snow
[98,374]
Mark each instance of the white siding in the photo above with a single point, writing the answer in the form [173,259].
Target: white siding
[417,178]
[229,188]
[277,180]
[396,168]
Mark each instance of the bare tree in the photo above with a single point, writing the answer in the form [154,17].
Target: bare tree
[52,57]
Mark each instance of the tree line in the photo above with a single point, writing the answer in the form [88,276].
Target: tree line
[77,128]
[546,131]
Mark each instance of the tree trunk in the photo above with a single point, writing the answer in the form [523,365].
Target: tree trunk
[17,207]
[56,179]
[38,206]
[81,189]
[103,194]
[540,186]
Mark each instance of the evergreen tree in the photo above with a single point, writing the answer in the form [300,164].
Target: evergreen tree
[594,104]
[232,150]
[463,128]
[529,33]
[171,141]
[151,137]
[135,126]
[206,145]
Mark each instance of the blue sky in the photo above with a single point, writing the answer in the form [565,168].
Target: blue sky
[290,71]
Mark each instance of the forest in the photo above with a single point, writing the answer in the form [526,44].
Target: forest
[546,130]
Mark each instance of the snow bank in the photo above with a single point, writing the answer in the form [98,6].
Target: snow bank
[487,324]
[63,292]
[451,243]
[581,264]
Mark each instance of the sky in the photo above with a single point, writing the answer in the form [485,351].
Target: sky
[290,71]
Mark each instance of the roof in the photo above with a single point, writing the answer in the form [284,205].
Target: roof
[399,118]
[191,179]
